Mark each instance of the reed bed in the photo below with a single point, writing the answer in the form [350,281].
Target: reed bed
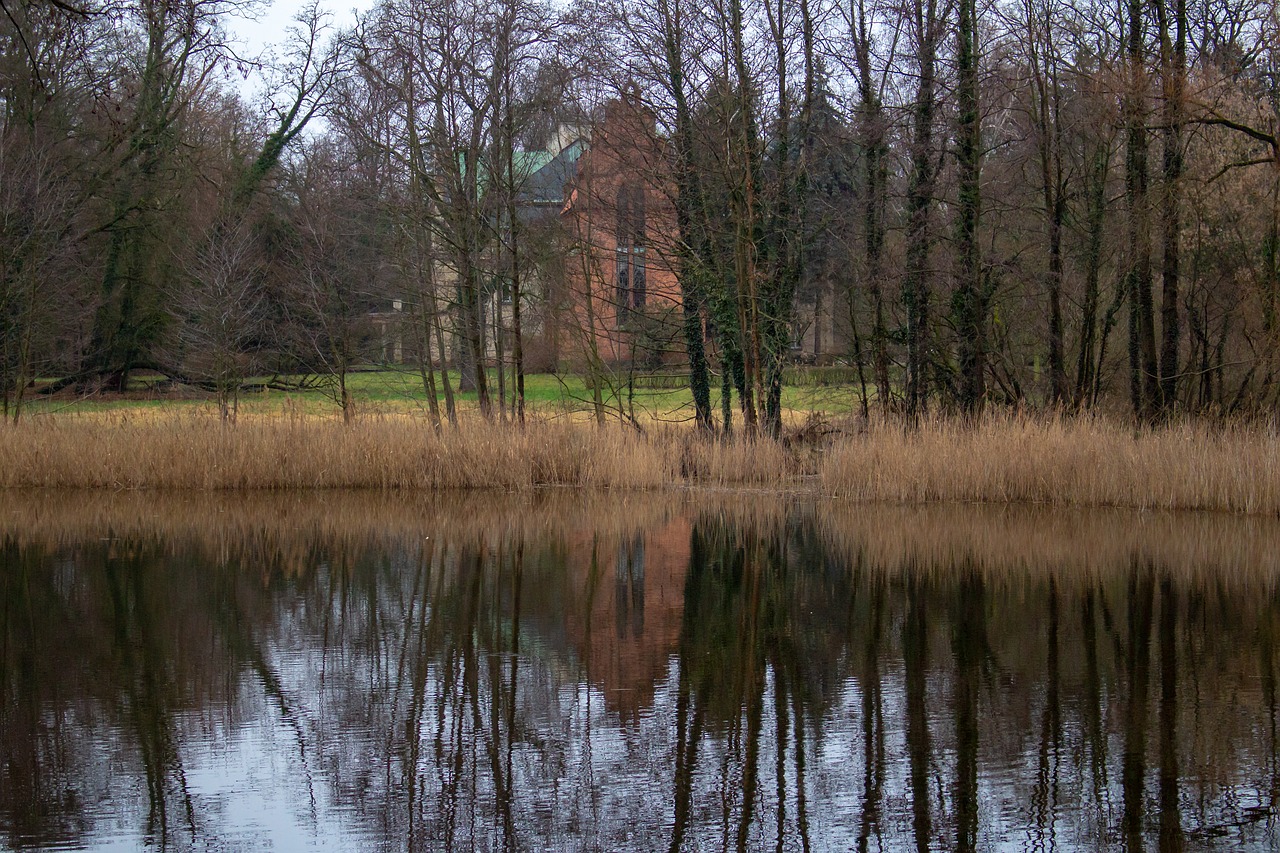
[199,453]
[1062,461]
[1003,460]
[196,452]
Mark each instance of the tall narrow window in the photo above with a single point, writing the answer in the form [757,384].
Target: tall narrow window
[638,270]
[630,276]
[622,268]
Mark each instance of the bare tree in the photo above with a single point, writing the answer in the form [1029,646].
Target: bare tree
[334,278]
[182,50]
[300,87]
[37,225]
[220,313]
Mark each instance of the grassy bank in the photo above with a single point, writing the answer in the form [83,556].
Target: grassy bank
[1083,462]
[390,391]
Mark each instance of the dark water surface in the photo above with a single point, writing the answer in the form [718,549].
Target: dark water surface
[569,672]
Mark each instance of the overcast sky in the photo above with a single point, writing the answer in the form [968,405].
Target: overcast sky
[276,15]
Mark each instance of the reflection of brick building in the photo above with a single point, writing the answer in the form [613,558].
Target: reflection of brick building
[621,224]
[624,620]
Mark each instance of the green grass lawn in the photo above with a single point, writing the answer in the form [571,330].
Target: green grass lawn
[390,390]
[555,393]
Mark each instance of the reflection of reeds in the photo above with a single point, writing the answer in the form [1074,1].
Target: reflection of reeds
[1073,544]
[1008,541]
[1015,542]
[352,518]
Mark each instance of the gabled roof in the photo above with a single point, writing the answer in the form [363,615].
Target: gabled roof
[544,189]
[546,184]
[541,176]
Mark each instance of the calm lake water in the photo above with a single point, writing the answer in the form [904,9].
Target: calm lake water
[693,672]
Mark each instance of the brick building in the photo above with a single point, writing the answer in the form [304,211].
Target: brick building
[620,223]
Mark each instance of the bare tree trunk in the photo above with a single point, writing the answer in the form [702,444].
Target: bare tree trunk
[437,322]
[344,397]
[595,367]
[1043,59]
[919,207]
[423,309]
[745,217]
[858,360]
[517,331]
[422,325]
[22,372]
[1109,321]
[970,301]
[1143,370]
[499,356]
[871,126]
[1173,74]
[688,201]
[474,372]
[1086,365]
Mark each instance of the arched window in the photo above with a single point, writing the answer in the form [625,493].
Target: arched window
[630,266]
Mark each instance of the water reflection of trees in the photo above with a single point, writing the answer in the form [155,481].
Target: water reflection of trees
[755,650]
[710,678]
[102,657]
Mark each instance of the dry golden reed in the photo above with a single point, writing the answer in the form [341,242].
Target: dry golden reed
[1062,461]
[314,453]
[392,452]
[1005,459]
